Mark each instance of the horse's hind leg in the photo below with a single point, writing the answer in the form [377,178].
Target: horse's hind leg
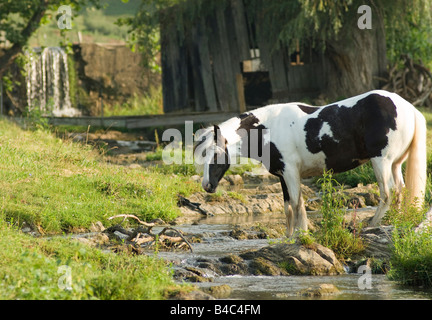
[384,176]
[398,181]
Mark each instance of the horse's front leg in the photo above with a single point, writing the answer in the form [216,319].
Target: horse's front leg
[288,209]
[295,210]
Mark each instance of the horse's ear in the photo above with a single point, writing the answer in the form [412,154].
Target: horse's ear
[218,138]
[216,131]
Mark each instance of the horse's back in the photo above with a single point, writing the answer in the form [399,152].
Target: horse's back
[344,134]
[375,124]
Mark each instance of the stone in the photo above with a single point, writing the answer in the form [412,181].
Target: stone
[261,266]
[234,179]
[324,289]
[313,259]
[134,166]
[192,295]
[378,241]
[231,258]
[96,240]
[219,292]
[120,236]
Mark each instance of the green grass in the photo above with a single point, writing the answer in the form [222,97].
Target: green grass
[411,260]
[363,174]
[35,268]
[96,25]
[146,104]
[333,233]
[62,186]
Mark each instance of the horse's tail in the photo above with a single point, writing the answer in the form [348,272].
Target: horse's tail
[415,174]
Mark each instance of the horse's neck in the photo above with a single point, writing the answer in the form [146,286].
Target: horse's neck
[232,138]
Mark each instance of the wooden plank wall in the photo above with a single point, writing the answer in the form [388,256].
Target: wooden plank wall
[200,73]
[201,66]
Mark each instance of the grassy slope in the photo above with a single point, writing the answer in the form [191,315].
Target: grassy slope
[96,25]
[62,186]
[33,268]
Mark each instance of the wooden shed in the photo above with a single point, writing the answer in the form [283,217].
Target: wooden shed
[223,63]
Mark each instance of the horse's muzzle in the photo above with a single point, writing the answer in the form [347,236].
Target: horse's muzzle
[209,188]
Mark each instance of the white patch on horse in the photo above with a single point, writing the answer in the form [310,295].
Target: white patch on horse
[326,130]
[266,137]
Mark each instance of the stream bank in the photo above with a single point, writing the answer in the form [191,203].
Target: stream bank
[234,258]
[239,251]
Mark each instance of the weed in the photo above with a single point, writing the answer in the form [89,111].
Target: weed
[406,213]
[150,103]
[333,233]
[237,196]
[306,238]
[411,259]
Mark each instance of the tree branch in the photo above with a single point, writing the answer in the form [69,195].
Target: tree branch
[9,56]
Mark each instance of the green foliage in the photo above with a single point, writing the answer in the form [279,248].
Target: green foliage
[406,23]
[411,260]
[183,169]
[363,174]
[33,268]
[148,103]
[16,15]
[405,214]
[306,238]
[408,31]
[333,233]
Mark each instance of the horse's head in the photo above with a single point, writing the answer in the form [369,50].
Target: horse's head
[213,152]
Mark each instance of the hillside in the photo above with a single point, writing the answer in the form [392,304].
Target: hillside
[95,25]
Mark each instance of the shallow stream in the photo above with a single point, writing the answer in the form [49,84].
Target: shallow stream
[215,244]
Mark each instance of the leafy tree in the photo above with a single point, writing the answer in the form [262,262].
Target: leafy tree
[406,24]
[19,19]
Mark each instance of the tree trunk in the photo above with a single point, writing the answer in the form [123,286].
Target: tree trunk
[356,60]
[9,56]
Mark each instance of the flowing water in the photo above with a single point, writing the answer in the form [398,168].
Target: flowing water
[48,82]
[216,243]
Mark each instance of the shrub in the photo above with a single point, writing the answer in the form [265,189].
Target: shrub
[411,259]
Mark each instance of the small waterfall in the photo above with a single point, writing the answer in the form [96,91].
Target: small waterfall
[48,83]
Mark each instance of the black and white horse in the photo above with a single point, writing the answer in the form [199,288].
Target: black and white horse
[295,140]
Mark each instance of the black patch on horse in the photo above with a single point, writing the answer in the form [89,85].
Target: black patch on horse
[249,121]
[220,163]
[359,132]
[308,109]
